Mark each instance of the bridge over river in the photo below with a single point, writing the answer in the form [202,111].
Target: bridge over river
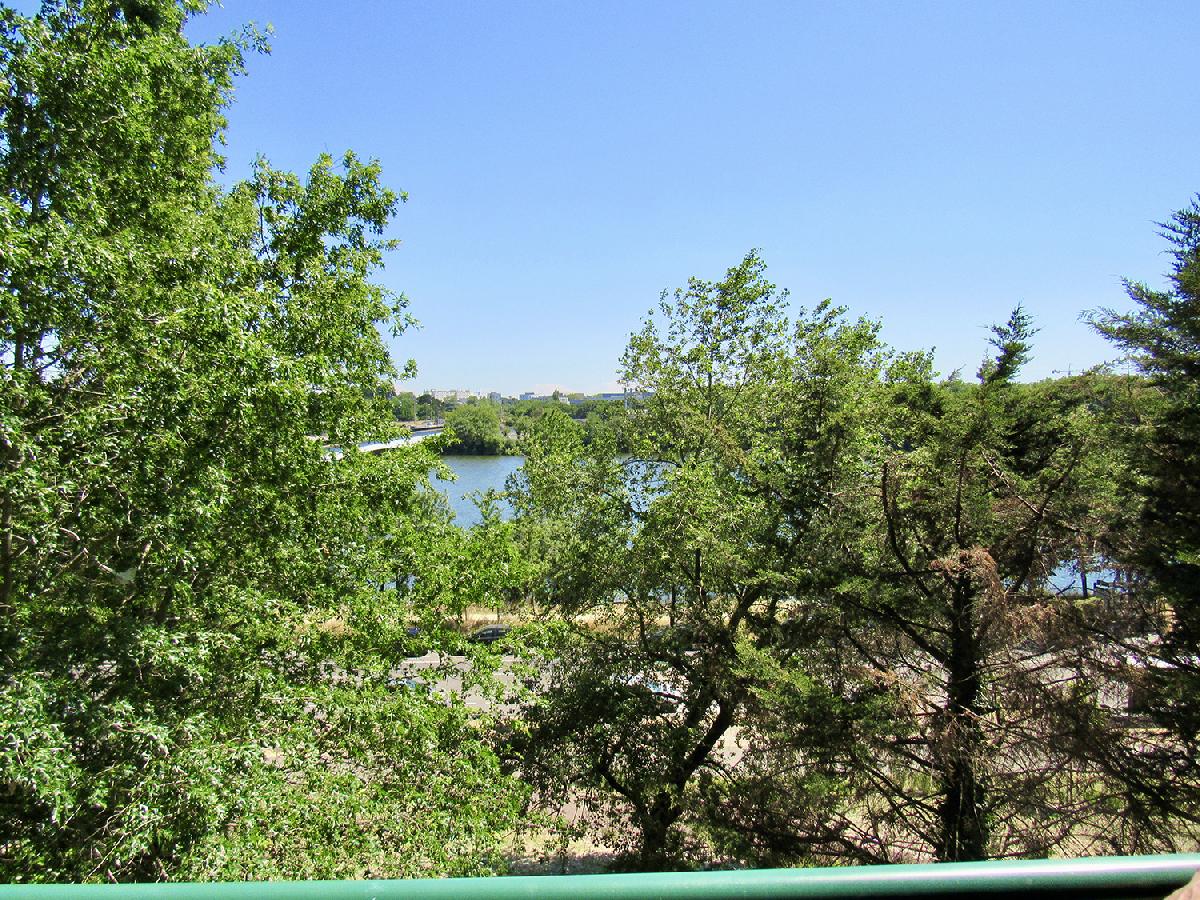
[417,433]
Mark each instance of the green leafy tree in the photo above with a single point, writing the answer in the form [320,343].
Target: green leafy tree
[686,575]
[193,638]
[405,406]
[606,417]
[523,414]
[476,428]
[429,407]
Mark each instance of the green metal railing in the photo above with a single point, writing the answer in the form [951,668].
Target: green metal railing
[1099,877]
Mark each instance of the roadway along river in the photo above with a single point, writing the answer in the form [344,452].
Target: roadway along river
[448,685]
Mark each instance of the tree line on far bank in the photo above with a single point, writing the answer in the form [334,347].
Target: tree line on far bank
[804,604]
[487,428]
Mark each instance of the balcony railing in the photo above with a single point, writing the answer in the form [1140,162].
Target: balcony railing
[1097,877]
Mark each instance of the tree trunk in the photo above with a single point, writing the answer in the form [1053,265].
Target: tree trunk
[963,832]
[655,853]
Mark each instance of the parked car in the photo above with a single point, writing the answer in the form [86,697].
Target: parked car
[489,634]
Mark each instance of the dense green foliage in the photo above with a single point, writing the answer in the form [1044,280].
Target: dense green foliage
[404,406]
[1163,337]
[1160,438]
[802,602]
[429,407]
[976,512]
[599,418]
[183,570]
[816,614]
[729,519]
[476,428]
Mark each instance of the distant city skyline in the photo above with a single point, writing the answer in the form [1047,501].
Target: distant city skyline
[545,389]
[928,165]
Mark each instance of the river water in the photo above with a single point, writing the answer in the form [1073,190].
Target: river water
[475,474]
[479,473]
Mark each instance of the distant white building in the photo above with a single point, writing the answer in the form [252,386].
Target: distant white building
[457,394]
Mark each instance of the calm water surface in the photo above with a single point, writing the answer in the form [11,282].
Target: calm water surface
[475,474]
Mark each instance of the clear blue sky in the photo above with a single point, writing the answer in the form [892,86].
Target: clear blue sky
[928,164]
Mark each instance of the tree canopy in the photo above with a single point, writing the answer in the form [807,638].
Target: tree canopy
[182,561]
[1159,440]
[476,428]
[698,553]
[813,614]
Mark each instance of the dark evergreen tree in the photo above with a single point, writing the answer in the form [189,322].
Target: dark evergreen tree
[1162,337]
